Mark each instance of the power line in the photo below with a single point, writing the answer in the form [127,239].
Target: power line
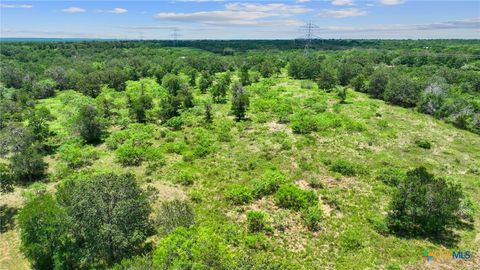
[308,30]
[175,36]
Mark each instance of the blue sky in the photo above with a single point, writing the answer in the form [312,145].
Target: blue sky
[224,19]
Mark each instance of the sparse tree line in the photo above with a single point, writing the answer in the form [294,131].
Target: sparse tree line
[446,93]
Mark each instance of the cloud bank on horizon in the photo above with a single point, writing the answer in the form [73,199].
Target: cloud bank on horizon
[225,19]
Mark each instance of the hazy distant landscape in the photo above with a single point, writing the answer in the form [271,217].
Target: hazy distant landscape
[226,135]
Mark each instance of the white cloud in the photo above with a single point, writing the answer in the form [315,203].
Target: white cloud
[274,8]
[212,16]
[302,1]
[241,14]
[73,10]
[342,13]
[392,2]
[342,2]
[15,6]
[116,10]
[471,23]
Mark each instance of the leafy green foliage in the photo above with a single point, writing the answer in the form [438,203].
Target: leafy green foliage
[240,101]
[89,124]
[391,176]
[257,221]
[239,194]
[120,223]
[424,205]
[291,196]
[174,214]
[312,217]
[268,183]
[45,238]
[27,165]
[76,156]
[344,167]
[191,249]
[6,180]
[422,143]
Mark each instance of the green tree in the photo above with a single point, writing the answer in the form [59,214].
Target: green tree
[378,82]
[45,237]
[240,101]
[244,76]
[27,165]
[326,78]
[205,82]
[38,123]
[402,90]
[44,88]
[140,107]
[89,124]
[424,204]
[208,113]
[119,224]
[219,91]
[342,93]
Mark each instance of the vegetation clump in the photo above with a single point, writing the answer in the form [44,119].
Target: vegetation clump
[292,197]
[424,205]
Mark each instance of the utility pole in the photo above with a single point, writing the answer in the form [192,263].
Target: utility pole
[308,30]
[175,36]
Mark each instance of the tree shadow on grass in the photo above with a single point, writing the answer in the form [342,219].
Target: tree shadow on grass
[447,238]
[7,218]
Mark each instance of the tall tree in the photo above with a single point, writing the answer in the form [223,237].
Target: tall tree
[119,224]
[240,101]
[89,124]
[45,234]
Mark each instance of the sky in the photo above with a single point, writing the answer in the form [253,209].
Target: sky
[225,19]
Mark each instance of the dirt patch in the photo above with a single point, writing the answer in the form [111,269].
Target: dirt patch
[165,192]
[275,127]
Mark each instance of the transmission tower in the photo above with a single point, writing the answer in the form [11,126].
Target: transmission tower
[175,36]
[308,34]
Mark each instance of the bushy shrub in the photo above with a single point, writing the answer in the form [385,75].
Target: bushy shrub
[257,221]
[76,156]
[268,183]
[175,123]
[402,90]
[6,180]
[291,196]
[424,204]
[303,123]
[239,194]
[422,143]
[312,217]
[351,240]
[185,178]
[192,249]
[174,214]
[27,165]
[129,155]
[134,263]
[391,176]
[344,167]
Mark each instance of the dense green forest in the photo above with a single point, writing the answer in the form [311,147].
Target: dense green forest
[356,154]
